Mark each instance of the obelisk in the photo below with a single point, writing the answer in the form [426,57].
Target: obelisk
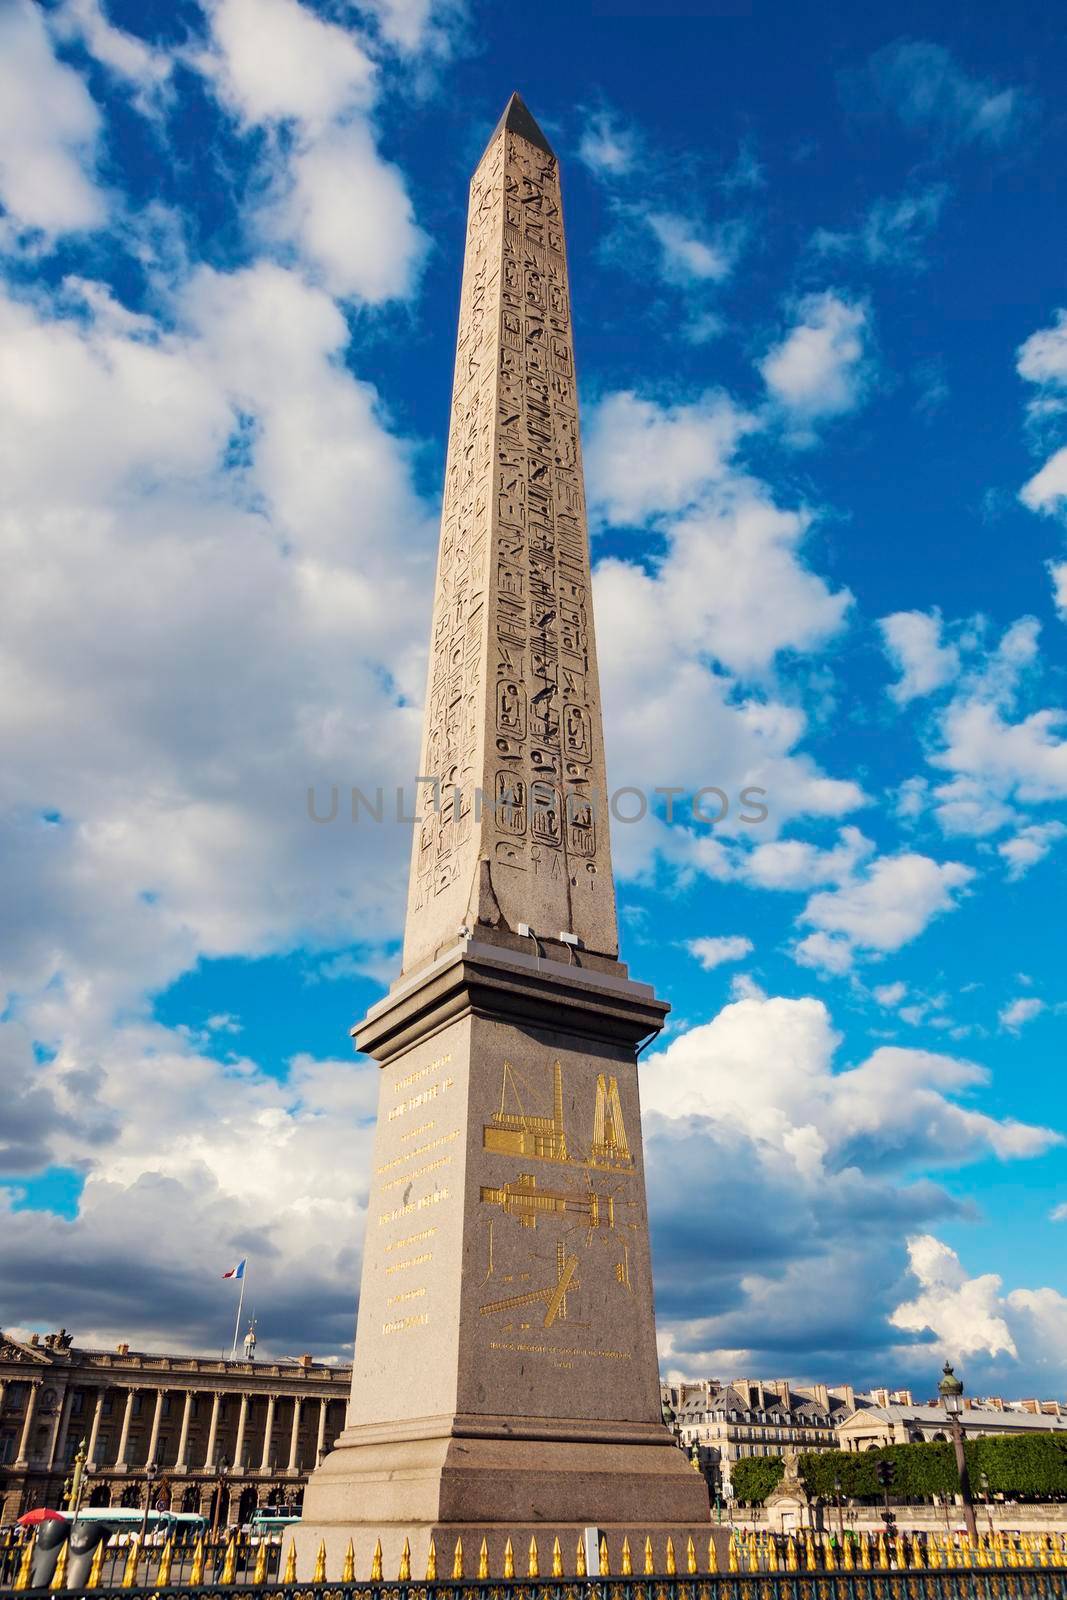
[506,1378]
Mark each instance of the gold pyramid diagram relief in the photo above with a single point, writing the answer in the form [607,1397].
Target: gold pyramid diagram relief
[520,1133]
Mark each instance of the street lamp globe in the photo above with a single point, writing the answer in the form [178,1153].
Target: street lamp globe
[951,1391]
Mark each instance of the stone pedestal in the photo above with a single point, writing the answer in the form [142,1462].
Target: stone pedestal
[505,1375]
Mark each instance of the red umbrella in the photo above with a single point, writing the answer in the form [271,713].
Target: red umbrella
[40,1514]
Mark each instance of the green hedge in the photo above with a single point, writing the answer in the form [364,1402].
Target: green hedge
[1032,1465]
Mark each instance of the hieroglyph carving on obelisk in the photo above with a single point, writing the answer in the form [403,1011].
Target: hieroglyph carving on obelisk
[512,740]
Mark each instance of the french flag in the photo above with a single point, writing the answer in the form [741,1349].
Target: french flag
[238,1271]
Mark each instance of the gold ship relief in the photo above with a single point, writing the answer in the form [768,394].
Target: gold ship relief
[520,1133]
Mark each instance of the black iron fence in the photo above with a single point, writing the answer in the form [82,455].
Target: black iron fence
[1017,1583]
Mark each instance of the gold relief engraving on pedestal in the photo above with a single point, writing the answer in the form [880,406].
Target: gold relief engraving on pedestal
[553,1295]
[524,1200]
[513,1131]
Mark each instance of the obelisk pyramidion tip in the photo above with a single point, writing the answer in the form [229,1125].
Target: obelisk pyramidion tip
[519,119]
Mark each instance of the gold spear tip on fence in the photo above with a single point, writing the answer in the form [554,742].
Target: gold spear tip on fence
[605,1567]
[671,1564]
[348,1571]
[713,1554]
[483,1561]
[557,1559]
[532,1568]
[509,1560]
[579,1560]
[627,1566]
[650,1565]
[376,1563]
[457,1559]
[431,1562]
[405,1564]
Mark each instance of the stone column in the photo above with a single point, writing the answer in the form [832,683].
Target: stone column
[120,1459]
[294,1437]
[264,1465]
[239,1447]
[212,1432]
[27,1423]
[153,1437]
[181,1464]
[321,1443]
[59,1437]
[98,1411]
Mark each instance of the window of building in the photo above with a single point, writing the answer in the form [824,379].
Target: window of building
[77,1402]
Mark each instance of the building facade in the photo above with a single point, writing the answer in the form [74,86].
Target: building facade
[872,1426]
[240,1433]
[726,1422]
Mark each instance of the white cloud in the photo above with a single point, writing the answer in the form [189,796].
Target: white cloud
[1058,1213]
[889,904]
[122,53]
[780,1184]
[798,864]
[325,192]
[277,60]
[1042,359]
[933,95]
[890,994]
[417,25]
[1019,1012]
[963,1313]
[713,951]
[826,952]
[913,643]
[1047,489]
[606,147]
[49,126]
[352,217]
[688,256]
[1058,574]
[1029,846]
[644,459]
[891,233]
[996,762]
[821,368]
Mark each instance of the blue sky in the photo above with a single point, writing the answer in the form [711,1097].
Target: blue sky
[818,279]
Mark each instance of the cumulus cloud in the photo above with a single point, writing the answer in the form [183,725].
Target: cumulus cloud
[328,195]
[712,951]
[1009,1340]
[645,460]
[821,369]
[49,128]
[786,1176]
[913,643]
[881,908]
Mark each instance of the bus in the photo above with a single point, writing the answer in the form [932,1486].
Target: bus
[124,1523]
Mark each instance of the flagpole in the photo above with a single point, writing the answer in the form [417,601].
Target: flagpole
[240,1308]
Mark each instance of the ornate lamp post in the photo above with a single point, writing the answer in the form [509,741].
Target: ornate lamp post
[149,1478]
[840,1513]
[220,1484]
[951,1391]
